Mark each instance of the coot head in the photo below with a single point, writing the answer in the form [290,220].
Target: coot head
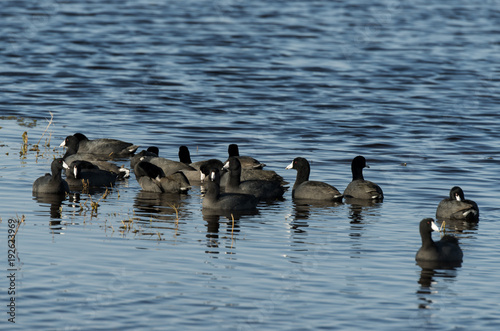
[456,193]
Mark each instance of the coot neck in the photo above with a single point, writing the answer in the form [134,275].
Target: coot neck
[426,236]
[357,172]
[72,147]
[184,156]
[56,171]
[234,179]
[212,190]
[302,174]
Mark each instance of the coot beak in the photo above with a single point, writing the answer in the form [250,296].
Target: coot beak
[435,227]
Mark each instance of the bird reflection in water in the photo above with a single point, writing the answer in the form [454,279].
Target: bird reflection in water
[214,237]
[302,207]
[55,201]
[358,210]
[429,281]
[160,211]
[358,207]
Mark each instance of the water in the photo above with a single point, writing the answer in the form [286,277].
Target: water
[412,87]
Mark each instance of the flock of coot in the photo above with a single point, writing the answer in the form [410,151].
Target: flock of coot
[233,186]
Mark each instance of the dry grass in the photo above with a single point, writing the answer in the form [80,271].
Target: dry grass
[176,209]
[35,147]
[47,142]
[19,222]
[24,146]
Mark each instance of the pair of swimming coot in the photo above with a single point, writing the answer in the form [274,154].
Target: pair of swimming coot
[446,251]
[238,195]
[358,188]
[87,161]
[79,174]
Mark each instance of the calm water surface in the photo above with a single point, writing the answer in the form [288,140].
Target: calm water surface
[412,87]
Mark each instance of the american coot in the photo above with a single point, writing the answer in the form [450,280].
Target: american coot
[456,207]
[246,174]
[262,189]
[84,174]
[168,166]
[150,151]
[153,179]
[310,190]
[247,162]
[359,188]
[73,154]
[224,202]
[444,250]
[193,174]
[261,174]
[105,147]
[185,157]
[52,183]
[251,169]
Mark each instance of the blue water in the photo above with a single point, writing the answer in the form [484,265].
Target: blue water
[412,87]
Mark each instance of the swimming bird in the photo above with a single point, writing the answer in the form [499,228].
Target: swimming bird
[456,207]
[152,178]
[85,174]
[168,166]
[185,157]
[52,183]
[150,151]
[193,174]
[251,169]
[73,154]
[247,162]
[445,250]
[359,188]
[105,147]
[310,190]
[262,189]
[224,202]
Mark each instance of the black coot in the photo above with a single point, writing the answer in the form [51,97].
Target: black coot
[52,183]
[359,188]
[105,147]
[262,189]
[456,207]
[310,190]
[224,202]
[153,179]
[445,250]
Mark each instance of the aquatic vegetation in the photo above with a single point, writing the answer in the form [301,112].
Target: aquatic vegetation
[21,121]
[18,220]
[24,146]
